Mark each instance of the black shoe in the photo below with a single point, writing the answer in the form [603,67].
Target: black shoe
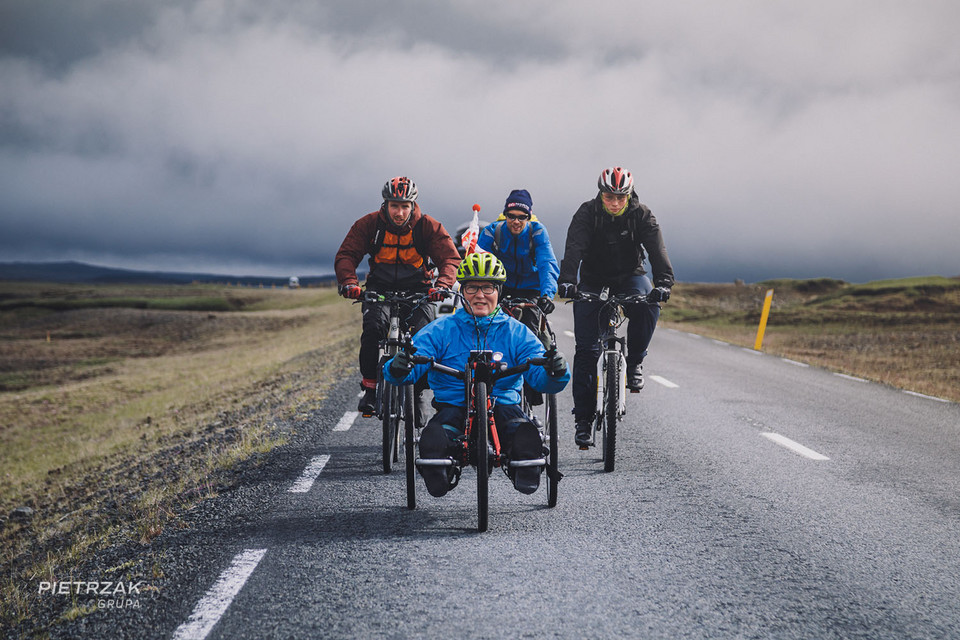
[368,403]
[584,434]
[534,397]
[434,444]
[635,376]
[527,445]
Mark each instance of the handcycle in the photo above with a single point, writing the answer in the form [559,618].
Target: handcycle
[391,408]
[516,308]
[479,446]
[611,369]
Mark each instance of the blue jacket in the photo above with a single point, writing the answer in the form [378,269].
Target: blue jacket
[449,340]
[523,272]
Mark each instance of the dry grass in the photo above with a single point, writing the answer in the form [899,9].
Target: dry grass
[905,333]
[124,417]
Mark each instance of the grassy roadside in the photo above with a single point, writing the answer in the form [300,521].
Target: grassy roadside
[116,417]
[904,333]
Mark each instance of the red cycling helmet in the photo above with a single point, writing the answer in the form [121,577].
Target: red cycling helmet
[616,180]
[400,189]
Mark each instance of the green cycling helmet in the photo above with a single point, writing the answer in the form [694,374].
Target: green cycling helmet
[484,267]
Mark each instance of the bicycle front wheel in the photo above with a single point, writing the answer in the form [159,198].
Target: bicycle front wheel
[611,406]
[409,446]
[483,457]
[391,423]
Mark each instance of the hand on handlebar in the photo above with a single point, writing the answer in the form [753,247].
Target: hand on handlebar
[401,365]
[546,304]
[567,290]
[437,295]
[660,294]
[556,365]
[350,291]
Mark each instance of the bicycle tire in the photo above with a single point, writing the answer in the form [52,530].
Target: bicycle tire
[409,446]
[390,420]
[553,466]
[612,403]
[483,458]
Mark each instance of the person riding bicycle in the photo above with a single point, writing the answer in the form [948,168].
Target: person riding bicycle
[606,244]
[479,324]
[522,244]
[400,240]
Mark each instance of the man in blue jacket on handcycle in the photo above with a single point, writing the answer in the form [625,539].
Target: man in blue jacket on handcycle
[478,325]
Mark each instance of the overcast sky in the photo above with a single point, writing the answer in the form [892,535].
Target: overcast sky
[770,138]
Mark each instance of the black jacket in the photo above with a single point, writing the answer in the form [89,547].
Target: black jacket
[605,249]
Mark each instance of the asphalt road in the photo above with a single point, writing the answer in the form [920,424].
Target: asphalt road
[753,498]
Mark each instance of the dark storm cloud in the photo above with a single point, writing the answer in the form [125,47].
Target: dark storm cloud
[771,139]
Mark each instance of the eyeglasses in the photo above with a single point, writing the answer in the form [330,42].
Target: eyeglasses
[512,216]
[472,287]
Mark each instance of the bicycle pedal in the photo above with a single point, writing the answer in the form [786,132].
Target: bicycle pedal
[584,447]
[634,390]
[367,415]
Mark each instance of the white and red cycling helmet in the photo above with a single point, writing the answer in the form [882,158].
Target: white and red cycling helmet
[615,180]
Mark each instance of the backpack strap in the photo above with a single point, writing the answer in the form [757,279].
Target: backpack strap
[418,240]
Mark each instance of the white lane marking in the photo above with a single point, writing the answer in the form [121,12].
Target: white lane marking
[794,362]
[694,335]
[305,481]
[846,377]
[753,351]
[216,601]
[664,382]
[719,342]
[921,395]
[570,334]
[796,447]
[346,421]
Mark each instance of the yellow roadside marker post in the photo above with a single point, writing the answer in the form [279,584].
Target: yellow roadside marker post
[763,319]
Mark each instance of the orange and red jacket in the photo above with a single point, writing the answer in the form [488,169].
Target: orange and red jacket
[397,264]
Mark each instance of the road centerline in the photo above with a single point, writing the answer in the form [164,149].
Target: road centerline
[796,447]
[346,421]
[309,475]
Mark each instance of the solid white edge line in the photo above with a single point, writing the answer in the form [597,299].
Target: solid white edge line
[720,342]
[796,447]
[846,377]
[305,481]
[664,382]
[794,362]
[570,334]
[925,396]
[346,421]
[753,351]
[215,602]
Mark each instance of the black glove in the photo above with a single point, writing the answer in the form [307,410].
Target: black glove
[567,290]
[660,294]
[556,366]
[401,365]
[546,304]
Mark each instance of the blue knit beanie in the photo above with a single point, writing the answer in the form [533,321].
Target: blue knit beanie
[520,200]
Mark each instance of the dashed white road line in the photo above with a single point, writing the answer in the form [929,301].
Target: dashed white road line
[216,601]
[570,334]
[664,382]
[306,479]
[346,421]
[796,447]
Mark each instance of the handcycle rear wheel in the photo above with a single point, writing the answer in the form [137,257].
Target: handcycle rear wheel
[409,445]
[553,464]
[483,458]
[611,408]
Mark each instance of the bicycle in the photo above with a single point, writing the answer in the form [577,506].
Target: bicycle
[516,308]
[479,446]
[611,369]
[389,408]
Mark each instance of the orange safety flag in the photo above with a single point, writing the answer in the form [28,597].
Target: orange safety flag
[469,238]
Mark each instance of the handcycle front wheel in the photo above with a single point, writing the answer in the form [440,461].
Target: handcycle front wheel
[483,458]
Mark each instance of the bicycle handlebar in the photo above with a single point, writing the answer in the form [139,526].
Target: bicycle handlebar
[612,298]
[396,296]
[501,373]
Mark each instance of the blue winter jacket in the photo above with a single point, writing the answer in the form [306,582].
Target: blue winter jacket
[449,340]
[523,272]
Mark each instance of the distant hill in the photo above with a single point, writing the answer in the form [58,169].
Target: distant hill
[65,272]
